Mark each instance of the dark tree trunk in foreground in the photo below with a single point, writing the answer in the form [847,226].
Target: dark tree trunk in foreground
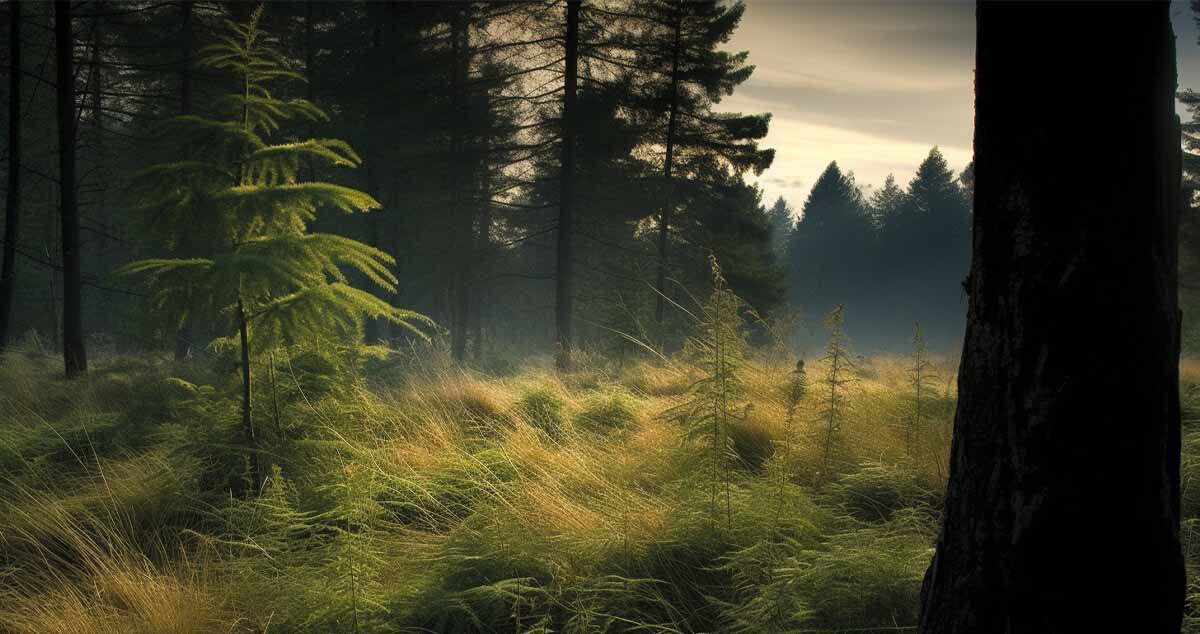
[1062,511]
[563,275]
[12,216]
[74,355]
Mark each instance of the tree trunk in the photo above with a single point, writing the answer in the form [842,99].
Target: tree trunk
[247,422]
[100,302]
[563,276]
[479,294]
[1062,509]
[74,355]
[183,336]
[12,216]
[664,219]
[460,213]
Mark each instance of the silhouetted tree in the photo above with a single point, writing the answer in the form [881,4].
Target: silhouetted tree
[831,249]
[12,199]
[780,218]
[1067,433]
[563,273]
[681,76]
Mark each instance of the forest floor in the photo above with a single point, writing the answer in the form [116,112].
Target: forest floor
[406,495]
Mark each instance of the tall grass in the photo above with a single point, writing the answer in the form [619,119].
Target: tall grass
[407,495]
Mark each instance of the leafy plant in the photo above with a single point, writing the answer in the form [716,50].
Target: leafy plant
[278,282]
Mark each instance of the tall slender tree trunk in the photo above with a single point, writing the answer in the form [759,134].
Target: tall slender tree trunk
[664,219]
[243,322]
[479,296]
[12,199]
[1062,509]
[74,354]
[564,276]
[183,336]
[99,301]
[247,421]
[461,212]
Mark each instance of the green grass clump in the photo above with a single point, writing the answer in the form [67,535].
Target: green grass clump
[543,409]
[877,490]
[608,410]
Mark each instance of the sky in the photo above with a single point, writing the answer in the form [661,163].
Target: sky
[872,84]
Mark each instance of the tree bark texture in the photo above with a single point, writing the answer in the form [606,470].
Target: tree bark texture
[1062,509]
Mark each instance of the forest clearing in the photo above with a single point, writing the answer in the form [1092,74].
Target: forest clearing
[434,498]
[474,317]
[508,499]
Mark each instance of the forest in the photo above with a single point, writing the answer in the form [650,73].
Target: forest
[470,316]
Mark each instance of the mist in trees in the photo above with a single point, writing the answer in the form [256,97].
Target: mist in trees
[900,252]
[548,176]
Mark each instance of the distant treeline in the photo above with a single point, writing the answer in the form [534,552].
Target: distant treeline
[894,258]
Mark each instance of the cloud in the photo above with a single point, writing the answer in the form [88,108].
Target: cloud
[871,83]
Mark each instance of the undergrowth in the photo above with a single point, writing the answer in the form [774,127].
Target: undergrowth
[407,495]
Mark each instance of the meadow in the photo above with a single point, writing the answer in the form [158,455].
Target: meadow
[407,494]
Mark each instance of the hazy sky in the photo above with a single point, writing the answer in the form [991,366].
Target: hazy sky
[872,84]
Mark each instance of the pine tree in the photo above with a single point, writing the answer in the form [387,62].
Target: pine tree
[781,220]
[834,385]
[279,282]
[920,375]
[74,351]
[717,349]
[563,274]
[831,250]
[676,45]
[887,201]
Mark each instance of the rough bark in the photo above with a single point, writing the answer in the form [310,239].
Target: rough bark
[563,275]
[74,354]
[12,199]
[1062,509]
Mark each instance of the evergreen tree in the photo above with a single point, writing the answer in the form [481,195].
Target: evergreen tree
[563,274]
[887,202]
[925,247]
[683,74]
[831,250]
[279,282]
[780,218]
